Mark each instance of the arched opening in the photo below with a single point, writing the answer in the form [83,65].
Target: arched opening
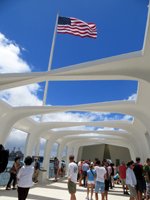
[16,142]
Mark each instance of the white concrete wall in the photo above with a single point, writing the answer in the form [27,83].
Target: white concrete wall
[121,153]
[92,152]
[97,151]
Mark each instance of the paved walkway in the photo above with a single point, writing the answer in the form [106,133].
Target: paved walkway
[57,191]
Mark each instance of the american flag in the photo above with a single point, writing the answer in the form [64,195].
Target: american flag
[76,27]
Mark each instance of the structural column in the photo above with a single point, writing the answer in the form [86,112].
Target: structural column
[47,152]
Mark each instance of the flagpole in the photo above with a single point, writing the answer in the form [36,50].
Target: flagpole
[50,63]
[50,60]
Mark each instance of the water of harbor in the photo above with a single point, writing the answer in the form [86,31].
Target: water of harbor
[4,177]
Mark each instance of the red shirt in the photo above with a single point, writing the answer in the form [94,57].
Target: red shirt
[122,171]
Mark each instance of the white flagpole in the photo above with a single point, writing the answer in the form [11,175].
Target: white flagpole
[49,64]
[50,60]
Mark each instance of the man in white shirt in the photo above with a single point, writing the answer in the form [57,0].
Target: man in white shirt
[72,177]
[131,180]
[100,180]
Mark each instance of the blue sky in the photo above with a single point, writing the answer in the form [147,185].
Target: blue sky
[27,27]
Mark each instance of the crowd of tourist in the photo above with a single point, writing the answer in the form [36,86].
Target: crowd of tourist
[102,176]
[96,176]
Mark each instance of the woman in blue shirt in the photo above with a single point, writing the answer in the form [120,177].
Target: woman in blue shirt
[91,173]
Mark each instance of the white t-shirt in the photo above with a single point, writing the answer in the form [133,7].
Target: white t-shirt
[73,171]
[130,177]
[24,176]
[100,172]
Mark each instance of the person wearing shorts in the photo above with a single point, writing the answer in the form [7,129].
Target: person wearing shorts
[71,187]
[100,180]
[122,174]
[90,180]
[133,193]
[72,177]
[131,180]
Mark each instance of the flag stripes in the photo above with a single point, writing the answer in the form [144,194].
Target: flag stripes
[76,27]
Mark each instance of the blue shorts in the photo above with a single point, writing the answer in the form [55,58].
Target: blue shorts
[99,186]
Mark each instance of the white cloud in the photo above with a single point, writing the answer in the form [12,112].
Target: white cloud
[81,117]
[11,61]
[22,96]
[68,117]
[10,57]
[128,117]
[133,97]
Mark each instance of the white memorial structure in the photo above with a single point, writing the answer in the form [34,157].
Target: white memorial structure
[135,139]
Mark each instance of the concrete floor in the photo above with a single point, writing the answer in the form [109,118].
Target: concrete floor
[58,191]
